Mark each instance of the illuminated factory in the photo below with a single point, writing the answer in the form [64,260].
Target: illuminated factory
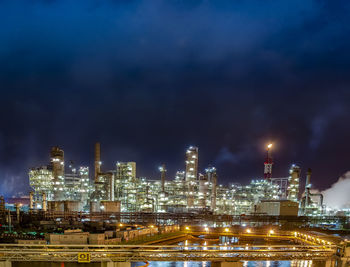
[58,187]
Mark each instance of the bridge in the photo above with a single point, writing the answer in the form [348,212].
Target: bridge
[306,246]
[129,253]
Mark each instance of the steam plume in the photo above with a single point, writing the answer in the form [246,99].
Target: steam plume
[338,195]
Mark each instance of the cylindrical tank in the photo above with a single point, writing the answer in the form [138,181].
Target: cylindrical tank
[94,206]
[56,205]
[72,206]
[110,206]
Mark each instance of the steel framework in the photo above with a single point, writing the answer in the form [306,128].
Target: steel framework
[123,253]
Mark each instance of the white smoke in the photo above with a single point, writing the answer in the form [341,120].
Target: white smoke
[338,196]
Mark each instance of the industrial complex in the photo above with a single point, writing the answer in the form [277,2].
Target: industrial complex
[67,188]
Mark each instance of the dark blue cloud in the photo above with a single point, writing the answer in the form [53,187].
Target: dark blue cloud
[148,78]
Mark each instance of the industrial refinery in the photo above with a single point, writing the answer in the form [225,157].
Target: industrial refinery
[67,188]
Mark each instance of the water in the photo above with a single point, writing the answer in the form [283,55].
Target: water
[298,263]
[229,240]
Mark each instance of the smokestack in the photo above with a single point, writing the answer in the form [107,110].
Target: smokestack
[307,187]
[31,200]
[44,202]
[97,160]
[18,211]
[162,170]
[308,178]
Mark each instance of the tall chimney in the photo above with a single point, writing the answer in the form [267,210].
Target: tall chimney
[44,202]
[31,200]
[307,187]
[97,160]
[18,211]
[162,170]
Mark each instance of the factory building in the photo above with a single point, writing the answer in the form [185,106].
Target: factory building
[278,208]
[57,187]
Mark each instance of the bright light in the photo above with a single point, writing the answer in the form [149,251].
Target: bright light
[206,229]
[269,146]
[226,230]
[187,228]
[249,231]
[152,226]
[271,232]
[120,224]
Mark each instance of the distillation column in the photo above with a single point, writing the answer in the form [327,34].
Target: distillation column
[293,188]
[213,179]
[191,174]
[57,161]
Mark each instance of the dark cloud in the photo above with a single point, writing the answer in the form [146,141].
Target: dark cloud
[149,78]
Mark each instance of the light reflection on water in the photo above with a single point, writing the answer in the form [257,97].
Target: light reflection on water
[299,263]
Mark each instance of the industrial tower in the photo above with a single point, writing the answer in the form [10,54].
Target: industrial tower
[191,173]
[268,164]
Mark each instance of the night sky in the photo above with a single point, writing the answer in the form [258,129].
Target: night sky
[147,78]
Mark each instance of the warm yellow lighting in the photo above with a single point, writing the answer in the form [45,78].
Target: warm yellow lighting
[226,230]
[206,229]
[249,231]
[187,228]
[271,232]
[269,146]
[120,224]
[152,226]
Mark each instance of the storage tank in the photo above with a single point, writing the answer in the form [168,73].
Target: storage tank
[95,206]
[110,206]
[55,206]
[70,206]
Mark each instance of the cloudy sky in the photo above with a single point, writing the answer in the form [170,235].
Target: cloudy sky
[149,78]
